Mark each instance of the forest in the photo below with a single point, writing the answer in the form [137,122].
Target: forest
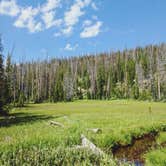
[138,73]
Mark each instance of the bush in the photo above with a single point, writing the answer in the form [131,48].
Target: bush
[145,95]
[21,100]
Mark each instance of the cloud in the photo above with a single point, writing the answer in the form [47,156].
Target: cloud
[71,17]
[50,21]
[94,6]
[91,31]
[68,47]
[27,16]
[44,16]
[67,31]
[9,8]
[50,5]
[48,13]
[26,19]
[94,17]
[57,34]
[87,23]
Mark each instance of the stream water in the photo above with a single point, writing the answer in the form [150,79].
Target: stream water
[134,153]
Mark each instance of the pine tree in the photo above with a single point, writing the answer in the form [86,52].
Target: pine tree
[8,71]
[100,82]
[2,83]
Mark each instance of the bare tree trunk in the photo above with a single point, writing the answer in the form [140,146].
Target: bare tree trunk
[158,74]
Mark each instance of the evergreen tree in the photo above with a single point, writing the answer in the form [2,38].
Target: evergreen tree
[2,83]
[100,82]
[8,71]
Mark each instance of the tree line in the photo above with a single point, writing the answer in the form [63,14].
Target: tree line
[138,73]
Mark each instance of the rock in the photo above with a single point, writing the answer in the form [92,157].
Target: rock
[56,124]
[11,117]
[96,130]
[89,145]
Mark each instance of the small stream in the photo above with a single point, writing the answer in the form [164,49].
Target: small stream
[134,153]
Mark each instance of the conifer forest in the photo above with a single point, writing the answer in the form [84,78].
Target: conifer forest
[139,73]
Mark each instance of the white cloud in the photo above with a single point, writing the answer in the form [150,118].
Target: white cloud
[26,19]
[71,17]
[68,47]
[94,17]
[43,17]
[91,31]
[50,21]
[87,23]
[57,34]
[27,16]
[50,5]
[9,8]
[94,6]
[48,13]
[67,31]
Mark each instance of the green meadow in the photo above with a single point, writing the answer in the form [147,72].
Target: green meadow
[27,138]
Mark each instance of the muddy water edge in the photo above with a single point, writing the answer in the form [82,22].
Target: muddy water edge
[134,152]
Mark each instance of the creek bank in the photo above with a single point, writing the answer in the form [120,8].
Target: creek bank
[134,152]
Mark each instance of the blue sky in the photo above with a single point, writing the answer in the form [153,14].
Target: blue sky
[37,28]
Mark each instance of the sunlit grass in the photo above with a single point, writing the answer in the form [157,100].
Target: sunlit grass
[161,138]
[156,157]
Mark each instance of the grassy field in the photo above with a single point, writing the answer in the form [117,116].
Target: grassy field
[27,138]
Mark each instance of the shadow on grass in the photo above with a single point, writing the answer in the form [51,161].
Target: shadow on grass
[22,118]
